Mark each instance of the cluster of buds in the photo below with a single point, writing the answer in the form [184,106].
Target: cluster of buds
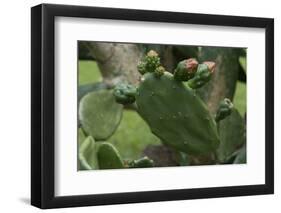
[150,62]
[202,75]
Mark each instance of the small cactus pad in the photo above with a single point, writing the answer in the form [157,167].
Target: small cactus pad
[99,114]
[109,157]
[141,163]
[176,115]
[232,134]
[241,156]
[87,154]
[124,93]
[224,110]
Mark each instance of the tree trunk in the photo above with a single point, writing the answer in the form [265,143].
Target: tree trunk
[117,61]
[223,82]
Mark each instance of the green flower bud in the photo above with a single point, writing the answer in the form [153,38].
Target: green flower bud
[159,71]
[124,93]
[203,75]
[142,68]
[224,110]
[152,61]
[186,69]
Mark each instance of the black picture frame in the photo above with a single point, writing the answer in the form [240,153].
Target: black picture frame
[43,102]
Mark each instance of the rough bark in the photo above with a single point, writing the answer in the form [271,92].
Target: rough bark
[223,82]
[117,61]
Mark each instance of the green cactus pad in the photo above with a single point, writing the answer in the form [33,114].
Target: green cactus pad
[224,110]
[232,134]
[141,163]
[176,115]
[87,154]
[99,114]
[241,156]
[109,157]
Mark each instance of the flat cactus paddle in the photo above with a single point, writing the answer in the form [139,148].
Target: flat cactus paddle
[99,114]
[176,115]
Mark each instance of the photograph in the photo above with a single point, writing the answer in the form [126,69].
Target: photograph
[142,105]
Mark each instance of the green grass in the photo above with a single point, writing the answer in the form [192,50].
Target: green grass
[240,98]
[88,72]
[132,136]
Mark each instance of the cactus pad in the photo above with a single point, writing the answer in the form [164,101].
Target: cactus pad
[176,115]
[232,134]
[99,114]
[87,155]
[109,157]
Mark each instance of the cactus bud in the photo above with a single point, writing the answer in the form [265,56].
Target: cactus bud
[124,94]
[159,71]
[224,110]
[141,68]
[152,61]
[203,75]
[186,69]
[211,65]
[152,53]
[141,163]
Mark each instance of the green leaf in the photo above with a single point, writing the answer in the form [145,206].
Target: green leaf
[99,114]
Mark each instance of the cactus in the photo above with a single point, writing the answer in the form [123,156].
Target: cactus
[87,154]
[176,115]
[186,69]
[172,110]
[99,114]
[125,93]
[104,155]
[232,135]
[241,156]
[109,157]
[141,163]
[202,75]
[224,110]
[169,103]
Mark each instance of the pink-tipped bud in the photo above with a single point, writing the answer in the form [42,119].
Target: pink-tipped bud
[191,65]
[186,69]
[211,65]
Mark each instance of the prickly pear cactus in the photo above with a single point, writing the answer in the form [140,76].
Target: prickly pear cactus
[109,157]
[232,134]
[87,154]
[99,114]
[143,162]
[124,93]
[176,115]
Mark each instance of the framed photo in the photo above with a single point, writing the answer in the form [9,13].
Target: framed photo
[139,106]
